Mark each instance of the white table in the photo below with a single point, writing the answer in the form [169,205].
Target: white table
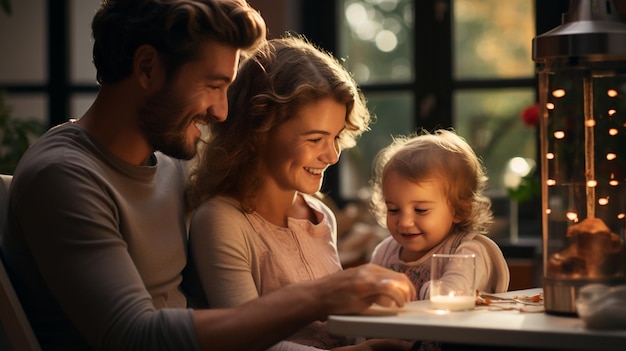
[482,326]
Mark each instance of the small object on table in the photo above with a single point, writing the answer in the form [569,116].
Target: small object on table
[452,282]
[452,303]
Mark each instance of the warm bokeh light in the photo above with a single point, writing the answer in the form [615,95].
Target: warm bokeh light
[516,169]
[551,182]
[550,106]
[613,182]
[611,156]
[377,39]
[613,131]
[558,93]
[550,156]
[559,134]
[360,22]
[572,216]
[621,216]
[386,41]
[611,93]
[603,201]
[612,112]
[590,123]
[521,165]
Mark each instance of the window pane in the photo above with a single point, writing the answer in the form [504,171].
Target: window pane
[80,103]
[490,122]
[393,117]
[22,39]
[493,38]
[82,69]
[27,106]
[376,39]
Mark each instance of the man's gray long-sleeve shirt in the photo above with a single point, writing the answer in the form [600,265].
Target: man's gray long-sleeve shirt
[95,247]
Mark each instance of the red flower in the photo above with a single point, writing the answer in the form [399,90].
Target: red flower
[530,115]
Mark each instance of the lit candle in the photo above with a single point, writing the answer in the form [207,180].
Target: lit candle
[452,302]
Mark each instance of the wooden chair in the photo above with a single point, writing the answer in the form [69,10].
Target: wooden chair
[14,322]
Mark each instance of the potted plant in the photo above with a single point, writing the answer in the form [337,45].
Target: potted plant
[5,5]
[16,136]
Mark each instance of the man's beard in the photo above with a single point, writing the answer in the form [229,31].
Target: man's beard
[159,121]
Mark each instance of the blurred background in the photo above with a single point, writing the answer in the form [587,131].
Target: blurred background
[464,64]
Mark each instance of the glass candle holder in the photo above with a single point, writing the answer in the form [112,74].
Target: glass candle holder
[452,282]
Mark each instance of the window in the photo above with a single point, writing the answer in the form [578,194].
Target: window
[490,44]
[421,63]
[430,64]
[52,78]
[377,44]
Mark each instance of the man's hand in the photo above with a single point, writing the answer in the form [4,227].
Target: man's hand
[355,289]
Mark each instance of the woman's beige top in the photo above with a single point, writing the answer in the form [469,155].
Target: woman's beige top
[240,256]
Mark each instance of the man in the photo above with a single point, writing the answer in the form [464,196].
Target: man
[96,240]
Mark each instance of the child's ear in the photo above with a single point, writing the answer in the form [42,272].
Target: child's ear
[466,205]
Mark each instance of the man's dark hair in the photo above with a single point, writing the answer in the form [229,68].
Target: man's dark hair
[175,28]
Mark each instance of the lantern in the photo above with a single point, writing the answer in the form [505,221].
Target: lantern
[582,96]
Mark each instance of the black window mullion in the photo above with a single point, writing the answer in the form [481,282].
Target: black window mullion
[58,61]
[432,64]
[319,25]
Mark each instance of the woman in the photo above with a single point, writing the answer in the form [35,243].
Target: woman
[258,225]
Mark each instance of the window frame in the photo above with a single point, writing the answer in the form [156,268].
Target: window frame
[433,72]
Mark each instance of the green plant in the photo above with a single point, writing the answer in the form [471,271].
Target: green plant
[16,136]
[528,188]
[5,5]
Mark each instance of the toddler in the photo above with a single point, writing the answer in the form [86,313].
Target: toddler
[428,191]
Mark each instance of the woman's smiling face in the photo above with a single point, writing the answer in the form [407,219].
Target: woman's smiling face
[419,215]
[299,151]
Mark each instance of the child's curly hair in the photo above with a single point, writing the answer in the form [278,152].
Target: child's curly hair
[442,155]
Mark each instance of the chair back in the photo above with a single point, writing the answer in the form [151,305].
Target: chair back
[5,182]
[16,326]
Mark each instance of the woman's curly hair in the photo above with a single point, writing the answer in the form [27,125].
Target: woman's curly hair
[272,85]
